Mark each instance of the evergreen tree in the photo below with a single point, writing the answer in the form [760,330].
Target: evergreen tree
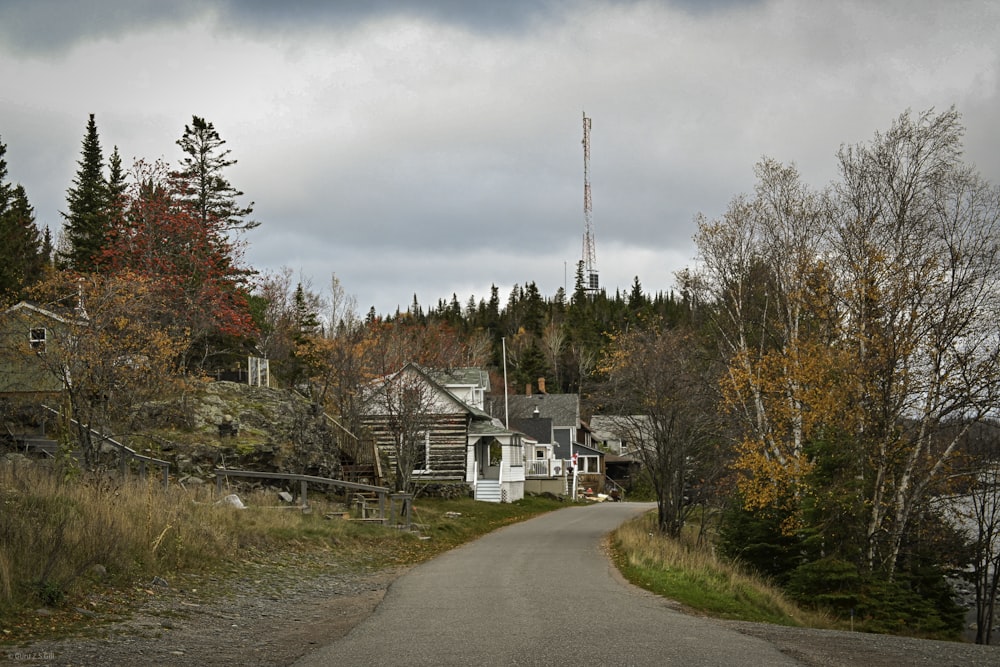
[47,247]
[117,187]
[202,180]
[87,217]
[306,320]
[21,259]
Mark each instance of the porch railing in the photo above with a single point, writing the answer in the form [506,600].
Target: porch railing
[544,468]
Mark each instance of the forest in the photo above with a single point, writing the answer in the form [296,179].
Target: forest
[813,394]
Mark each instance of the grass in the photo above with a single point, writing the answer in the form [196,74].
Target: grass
[697,579]
[64,539]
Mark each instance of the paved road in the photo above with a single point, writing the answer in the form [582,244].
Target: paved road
[537,593]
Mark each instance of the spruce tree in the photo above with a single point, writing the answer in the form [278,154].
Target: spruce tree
[21,261]
[117,187]
[202,181]
[87,220]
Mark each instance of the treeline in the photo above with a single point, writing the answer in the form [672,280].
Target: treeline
[559,338]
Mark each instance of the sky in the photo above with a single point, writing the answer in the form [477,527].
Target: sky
[430,149]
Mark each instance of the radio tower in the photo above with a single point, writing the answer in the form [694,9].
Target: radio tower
[589,254]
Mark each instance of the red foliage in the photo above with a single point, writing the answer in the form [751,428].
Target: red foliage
[194,265]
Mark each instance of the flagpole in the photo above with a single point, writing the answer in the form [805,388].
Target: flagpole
[506,406]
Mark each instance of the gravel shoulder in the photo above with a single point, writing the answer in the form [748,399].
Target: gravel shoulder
[832,648]
[270,613]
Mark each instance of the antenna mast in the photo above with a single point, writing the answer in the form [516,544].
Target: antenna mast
[589,253]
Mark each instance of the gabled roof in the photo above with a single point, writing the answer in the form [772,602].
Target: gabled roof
[58,313]
[425,377]
[562,409]
[430,377]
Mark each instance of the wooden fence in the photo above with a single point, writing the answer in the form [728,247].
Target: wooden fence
[391,505]
[127,455]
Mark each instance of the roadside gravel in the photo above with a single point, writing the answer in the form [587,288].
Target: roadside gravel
[269,613]
[831,648]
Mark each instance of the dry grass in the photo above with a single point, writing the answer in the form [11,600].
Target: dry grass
[55,531]
[695,577]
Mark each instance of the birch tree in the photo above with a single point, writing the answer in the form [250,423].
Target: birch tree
[918,272]
[764,269]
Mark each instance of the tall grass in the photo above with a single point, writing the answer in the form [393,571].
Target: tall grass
[54,533]
[693,576]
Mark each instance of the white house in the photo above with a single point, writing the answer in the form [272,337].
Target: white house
[461,442]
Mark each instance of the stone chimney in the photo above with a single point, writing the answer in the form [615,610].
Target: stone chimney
[541,385]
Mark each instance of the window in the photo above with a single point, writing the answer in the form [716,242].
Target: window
[36,339]
[422,457]
[590,464]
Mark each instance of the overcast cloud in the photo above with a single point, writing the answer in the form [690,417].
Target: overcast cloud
[433,148]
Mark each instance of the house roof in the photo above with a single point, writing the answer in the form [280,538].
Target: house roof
[539,428]
[488,426]
[58,313]
[562,409]
[617,427]
[374,387]
[475,377]
[431,378]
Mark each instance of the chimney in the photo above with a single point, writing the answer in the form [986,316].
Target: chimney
[541,385]
[527,389]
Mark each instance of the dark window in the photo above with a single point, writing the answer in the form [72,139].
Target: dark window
[36,338]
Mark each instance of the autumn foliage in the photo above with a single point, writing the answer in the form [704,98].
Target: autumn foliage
[192,265]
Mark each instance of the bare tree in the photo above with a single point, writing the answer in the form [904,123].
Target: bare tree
[984,499]
[343,309]
[400,412]
[660,393]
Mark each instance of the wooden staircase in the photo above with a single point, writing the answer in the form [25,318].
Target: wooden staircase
[488,490]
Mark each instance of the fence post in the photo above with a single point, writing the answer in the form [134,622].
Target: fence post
[381,507]
[303,490]
[218,484]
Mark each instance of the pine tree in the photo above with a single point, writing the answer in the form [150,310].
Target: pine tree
[202,181]
[87,217]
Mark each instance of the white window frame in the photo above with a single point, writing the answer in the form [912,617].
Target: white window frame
[427,456]
[36,342]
